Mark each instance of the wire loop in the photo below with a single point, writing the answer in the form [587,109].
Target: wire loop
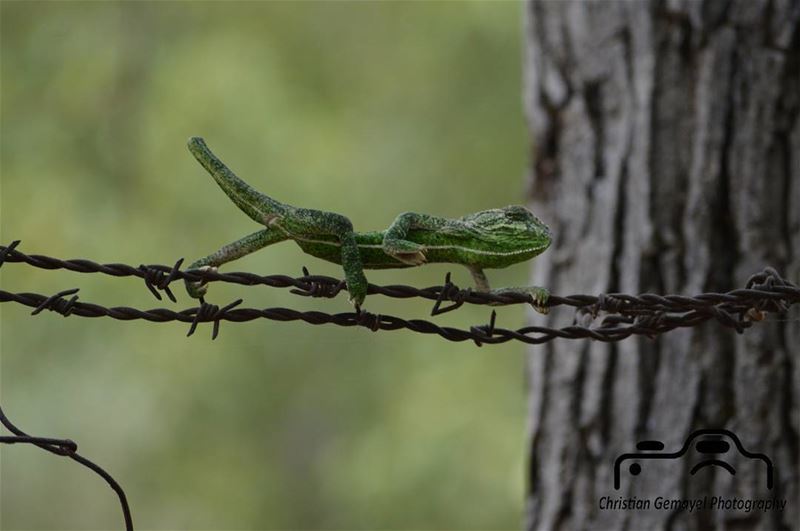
[368,320]
[450,292]
[8,250]
[211,312]
[316,286]
[484,332]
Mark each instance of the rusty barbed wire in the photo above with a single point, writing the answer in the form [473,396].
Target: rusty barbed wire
[646,314]
[66,448]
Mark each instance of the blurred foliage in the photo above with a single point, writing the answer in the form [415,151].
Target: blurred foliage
[367,109]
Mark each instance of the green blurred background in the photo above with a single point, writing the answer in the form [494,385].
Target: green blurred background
[365,109]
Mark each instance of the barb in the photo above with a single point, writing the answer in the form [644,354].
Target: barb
[210,312]
[319,286]
[57,304]
[647,314]
[157,278]
[66,448]
[450,292]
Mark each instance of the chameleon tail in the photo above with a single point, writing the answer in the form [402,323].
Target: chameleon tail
[256,205]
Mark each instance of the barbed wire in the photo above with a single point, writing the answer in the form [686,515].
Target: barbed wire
[646,314]
[158,277]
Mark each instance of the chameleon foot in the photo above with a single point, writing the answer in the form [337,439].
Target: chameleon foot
[357,287]
[198,289]
[405,251]
[414,259]
[539,296]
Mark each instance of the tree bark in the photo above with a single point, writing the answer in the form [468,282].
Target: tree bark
[667,159]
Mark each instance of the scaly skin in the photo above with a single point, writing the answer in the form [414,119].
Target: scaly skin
[484,240]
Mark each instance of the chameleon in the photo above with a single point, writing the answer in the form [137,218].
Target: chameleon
[489,239]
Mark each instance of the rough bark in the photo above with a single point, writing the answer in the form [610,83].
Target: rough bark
[667,159]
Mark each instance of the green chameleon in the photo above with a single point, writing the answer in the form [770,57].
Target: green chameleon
[490,239]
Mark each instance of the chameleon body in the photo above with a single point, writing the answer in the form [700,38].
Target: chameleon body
[484,240]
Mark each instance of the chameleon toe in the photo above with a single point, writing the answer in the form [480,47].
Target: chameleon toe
[540,297]
[414,259]
[198,289]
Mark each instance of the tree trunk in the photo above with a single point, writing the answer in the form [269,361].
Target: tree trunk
[667,159]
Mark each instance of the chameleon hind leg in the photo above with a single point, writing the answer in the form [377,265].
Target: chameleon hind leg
[312,222]
[353,269]
[232,251]
[397,246]
[539,295]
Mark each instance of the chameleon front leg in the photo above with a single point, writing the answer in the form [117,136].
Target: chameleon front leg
[539,294]
[397,246]
[232,251]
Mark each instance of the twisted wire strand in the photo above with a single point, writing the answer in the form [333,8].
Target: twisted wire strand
[646,314]
[613,328]
[763,288]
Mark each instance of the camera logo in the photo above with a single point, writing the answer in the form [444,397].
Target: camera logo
[710,444]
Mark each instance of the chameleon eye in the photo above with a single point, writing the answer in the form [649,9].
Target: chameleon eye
[517,214]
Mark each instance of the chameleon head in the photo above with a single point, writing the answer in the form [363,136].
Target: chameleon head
[514,229]
[530,231]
